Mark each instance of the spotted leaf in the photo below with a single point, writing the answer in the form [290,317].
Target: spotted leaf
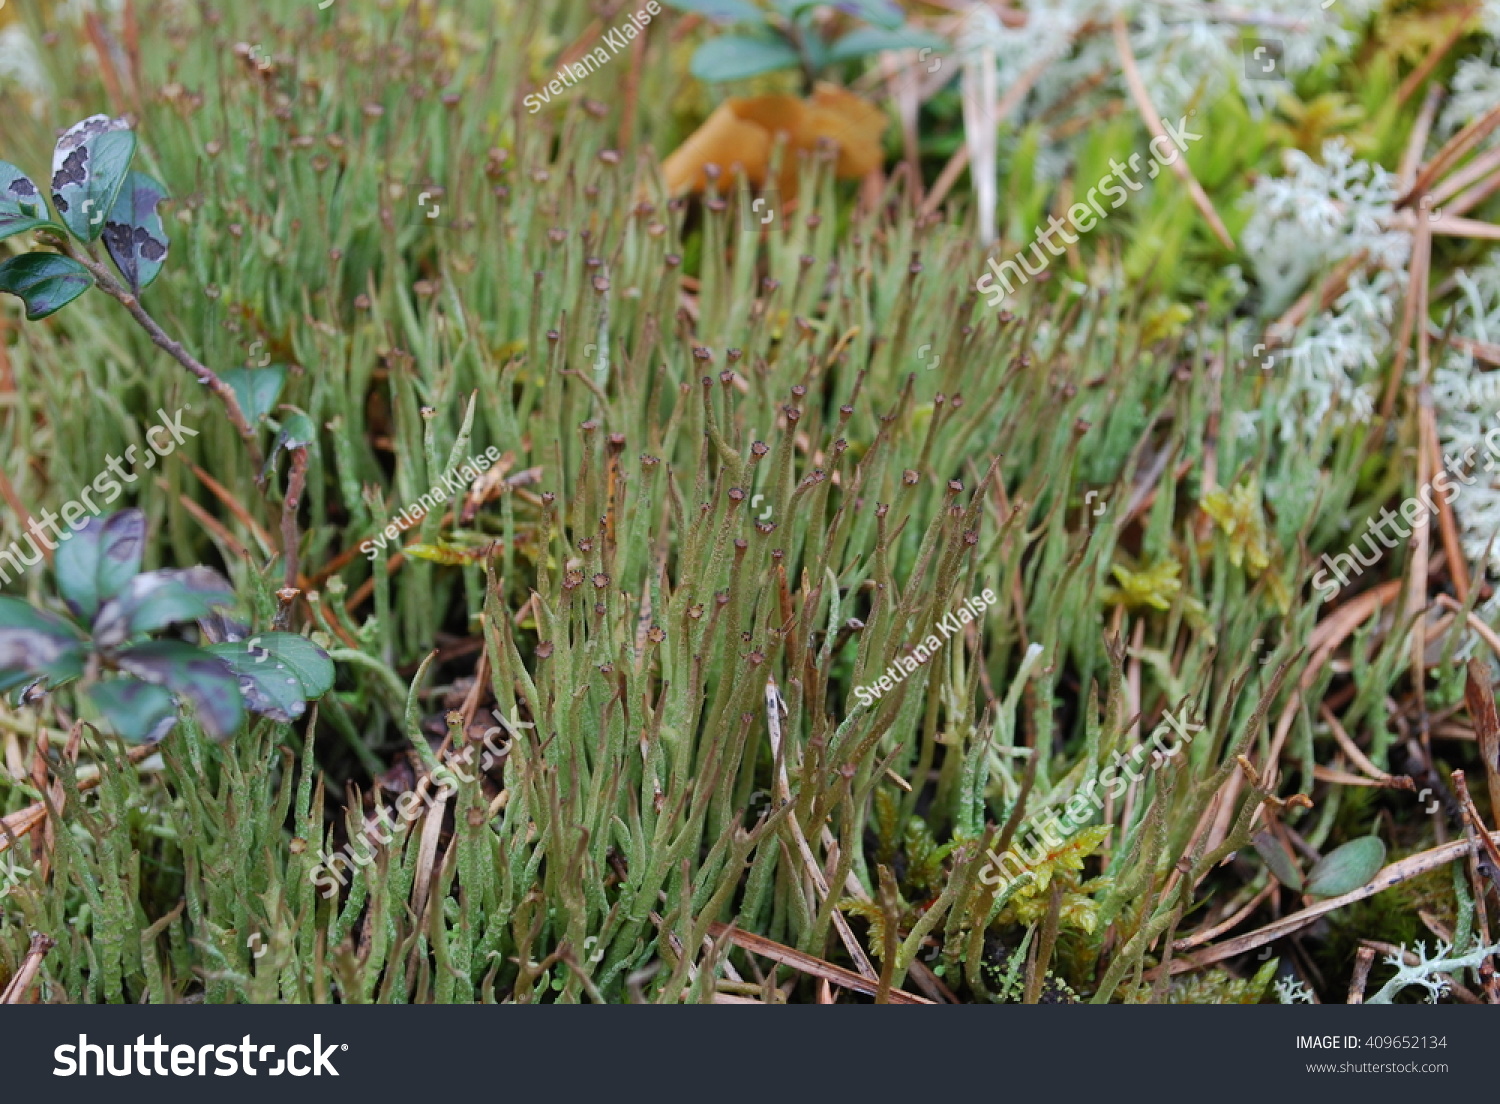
[22,207]
[159,598]
[193,674]
[89,166]
[133,233]
[140,712]
[97,561]
[278,672]
[35,644]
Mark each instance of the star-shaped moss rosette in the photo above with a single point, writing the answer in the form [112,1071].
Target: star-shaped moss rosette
[1239,515]
[1156,587]
[134,679]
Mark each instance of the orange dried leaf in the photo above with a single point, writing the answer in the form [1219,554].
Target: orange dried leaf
[741,134]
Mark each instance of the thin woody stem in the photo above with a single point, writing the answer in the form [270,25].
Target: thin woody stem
[296,483]
[206,375]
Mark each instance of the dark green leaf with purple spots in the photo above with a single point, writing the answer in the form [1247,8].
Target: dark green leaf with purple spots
[133,233]
[22,207]
[89,166]
[191,673]
[38,644]
[96,562]
[159,598]
[139,712]
[45,282]
[278,672]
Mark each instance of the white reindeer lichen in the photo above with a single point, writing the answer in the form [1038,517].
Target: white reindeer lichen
[1293,991]
[1425,971]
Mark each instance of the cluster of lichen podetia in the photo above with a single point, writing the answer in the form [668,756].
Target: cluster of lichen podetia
[622,560]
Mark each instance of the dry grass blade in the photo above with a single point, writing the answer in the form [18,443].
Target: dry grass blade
[1476,823]
[1452,226]
[1229,923]
[1435,55]
[1319,298]
[1479,350]
[1411,159]
[1484,632]
[1416,281]
[1332,631]
[1357,756]
[1458,567]
[1476,195]
[1477,169]
[960,159]
[235,507]
[1480,698]
[814,871]
[816,967]
[980,137]
[1357,981]
[1450,154]
[1152,120]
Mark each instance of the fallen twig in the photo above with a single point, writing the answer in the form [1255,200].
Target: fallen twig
[788,956]
[40,945]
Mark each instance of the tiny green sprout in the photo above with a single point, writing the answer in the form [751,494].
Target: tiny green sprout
[793,34]
[137,682]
